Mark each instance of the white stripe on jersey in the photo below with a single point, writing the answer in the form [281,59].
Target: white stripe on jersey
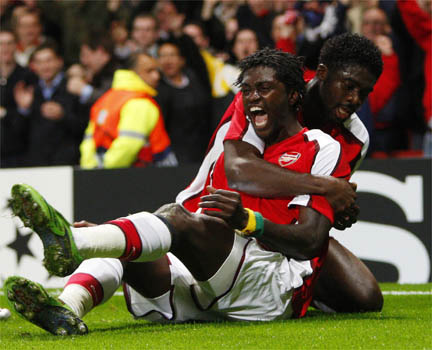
[354,125]
[211,157]
[326,160]
[252,138]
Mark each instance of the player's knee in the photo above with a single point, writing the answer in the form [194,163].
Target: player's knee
[371,298]
[179,219]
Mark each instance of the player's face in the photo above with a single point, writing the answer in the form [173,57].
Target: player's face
[344,90]
[265,101]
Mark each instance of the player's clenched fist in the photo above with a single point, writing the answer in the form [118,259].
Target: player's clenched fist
[229,205]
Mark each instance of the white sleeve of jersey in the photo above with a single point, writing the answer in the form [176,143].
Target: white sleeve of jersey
[325,163]
[211,157]
[359,131]
[251,137]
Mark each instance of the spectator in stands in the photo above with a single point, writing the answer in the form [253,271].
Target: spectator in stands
[222,75]
[13,125]
[223,11]
[126,127]
[56,124]
[321,20]
[258,16]
[6,10]
[144,34]
[170,20]
[231,29]
[379,111]
[212,24]
[49,16]
[284,31]
[93,76]
[244,44]
[28,29]
[81,18]
[185,98]
[119,34]
[417,17]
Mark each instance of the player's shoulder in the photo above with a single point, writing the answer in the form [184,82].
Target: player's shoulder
[357,129]
[326,153]
[324,140]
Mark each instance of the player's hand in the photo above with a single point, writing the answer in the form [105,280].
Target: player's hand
[83,223]
[340,193]
[346,218]
[229,204]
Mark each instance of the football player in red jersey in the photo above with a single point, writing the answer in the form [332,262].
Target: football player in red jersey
[232,263]
[348,69]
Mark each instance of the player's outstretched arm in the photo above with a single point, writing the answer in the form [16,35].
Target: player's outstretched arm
[247,172]
[303,240]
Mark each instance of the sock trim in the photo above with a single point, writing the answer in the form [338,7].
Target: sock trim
[90,283]
[133,241]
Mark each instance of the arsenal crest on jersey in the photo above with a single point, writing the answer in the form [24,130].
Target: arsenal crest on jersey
[288,158]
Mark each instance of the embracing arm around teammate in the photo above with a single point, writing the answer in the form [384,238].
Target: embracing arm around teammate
[303,241]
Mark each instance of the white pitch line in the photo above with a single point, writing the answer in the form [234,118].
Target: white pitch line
[387,292]
[401,292]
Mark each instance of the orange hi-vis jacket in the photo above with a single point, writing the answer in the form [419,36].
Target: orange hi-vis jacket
[126,127]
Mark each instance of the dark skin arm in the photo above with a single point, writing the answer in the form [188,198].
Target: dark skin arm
[301,241]
[247,172]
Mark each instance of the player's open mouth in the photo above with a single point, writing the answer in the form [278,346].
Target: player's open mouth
[259,117]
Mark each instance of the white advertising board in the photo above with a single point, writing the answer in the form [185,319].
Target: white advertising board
[21,251]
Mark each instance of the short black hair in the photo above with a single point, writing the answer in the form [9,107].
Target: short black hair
[96,38]
[199,24]
[49,44]
[351,49]
[288,68]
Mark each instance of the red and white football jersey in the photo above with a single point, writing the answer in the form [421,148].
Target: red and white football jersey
[352,136]
[309,151]
[234,125]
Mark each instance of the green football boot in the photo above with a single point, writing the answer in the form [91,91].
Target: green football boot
[31,302]
[61,257]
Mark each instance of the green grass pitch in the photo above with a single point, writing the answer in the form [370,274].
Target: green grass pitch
[404,323]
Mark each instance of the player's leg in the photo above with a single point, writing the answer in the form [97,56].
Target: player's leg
[93,283]
[66,247]
[345,284]
[201,242]
[32,302]
[150,279]
[140,237]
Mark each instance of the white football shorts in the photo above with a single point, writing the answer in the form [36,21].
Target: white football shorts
[253,284]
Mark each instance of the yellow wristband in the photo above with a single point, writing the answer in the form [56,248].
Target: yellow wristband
[251,224]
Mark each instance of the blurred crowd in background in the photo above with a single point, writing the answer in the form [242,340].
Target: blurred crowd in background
[58,57]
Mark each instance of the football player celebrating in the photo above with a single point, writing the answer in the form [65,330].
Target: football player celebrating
[243,258]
